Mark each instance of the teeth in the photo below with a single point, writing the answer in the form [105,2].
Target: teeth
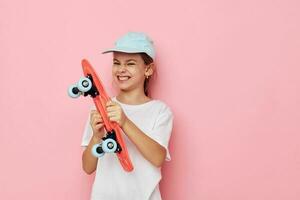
[123,78]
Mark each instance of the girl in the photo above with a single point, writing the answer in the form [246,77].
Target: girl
[146,123]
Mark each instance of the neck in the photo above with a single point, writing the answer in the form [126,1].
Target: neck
[132,97]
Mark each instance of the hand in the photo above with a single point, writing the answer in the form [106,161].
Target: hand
[115,113]
[97,125]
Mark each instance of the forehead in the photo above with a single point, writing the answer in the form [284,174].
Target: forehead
[126,56]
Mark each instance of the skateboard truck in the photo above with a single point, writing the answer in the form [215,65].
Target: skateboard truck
[93,91]
[108,142]
[84,87]
[112,135]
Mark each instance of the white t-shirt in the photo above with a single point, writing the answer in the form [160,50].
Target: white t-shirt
[111,182]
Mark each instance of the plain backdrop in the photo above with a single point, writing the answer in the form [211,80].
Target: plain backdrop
[229,70]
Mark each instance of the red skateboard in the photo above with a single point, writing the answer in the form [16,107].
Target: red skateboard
[113,142]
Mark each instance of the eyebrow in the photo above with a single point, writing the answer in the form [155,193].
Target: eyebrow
[126,60]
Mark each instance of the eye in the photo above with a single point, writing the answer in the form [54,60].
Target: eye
[130,63]
[116,63]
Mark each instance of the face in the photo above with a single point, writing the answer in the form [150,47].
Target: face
[129,71]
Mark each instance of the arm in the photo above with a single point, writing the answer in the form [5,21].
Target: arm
[150,149]
[89,162]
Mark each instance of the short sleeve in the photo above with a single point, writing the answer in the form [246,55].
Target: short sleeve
[88,132]
[161,132]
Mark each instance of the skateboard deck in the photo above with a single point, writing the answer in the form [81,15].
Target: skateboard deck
[100,98]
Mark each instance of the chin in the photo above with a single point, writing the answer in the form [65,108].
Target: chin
[123,87]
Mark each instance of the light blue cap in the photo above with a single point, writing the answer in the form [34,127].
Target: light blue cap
[134,42]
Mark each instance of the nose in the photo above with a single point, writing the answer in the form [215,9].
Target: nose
[121,68]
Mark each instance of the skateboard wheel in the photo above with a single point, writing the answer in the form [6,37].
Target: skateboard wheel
[84,84]
[109,145]
[73,91]
[97,150]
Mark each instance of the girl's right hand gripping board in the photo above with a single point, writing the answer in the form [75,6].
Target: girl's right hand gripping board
[113,142]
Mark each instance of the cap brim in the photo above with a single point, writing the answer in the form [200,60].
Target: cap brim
[122,50]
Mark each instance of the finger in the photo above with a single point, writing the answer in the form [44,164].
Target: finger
[111,108]
[97,120]
[110,103]
[112,114]
[96,114]
[92,121]
[98,126]
[114,119]
[92,114]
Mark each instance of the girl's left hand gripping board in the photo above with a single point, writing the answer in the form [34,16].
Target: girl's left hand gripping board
[113,142]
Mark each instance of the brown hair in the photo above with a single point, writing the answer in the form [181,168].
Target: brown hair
[147,60]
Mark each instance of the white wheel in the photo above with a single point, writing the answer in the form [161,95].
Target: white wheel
[97,150]
[73,91]
[84,84]
[109,145]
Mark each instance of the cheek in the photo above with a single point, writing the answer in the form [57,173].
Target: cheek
[138,75]
[113,74]
[139,71]
[140,78]
[113,71]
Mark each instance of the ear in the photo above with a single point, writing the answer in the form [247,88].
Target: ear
[149,69]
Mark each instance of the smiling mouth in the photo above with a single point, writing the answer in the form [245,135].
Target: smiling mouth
[123,78]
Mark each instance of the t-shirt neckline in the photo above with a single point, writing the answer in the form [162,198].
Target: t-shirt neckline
[134,105]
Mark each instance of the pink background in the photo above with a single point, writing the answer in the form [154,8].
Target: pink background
[229,70]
